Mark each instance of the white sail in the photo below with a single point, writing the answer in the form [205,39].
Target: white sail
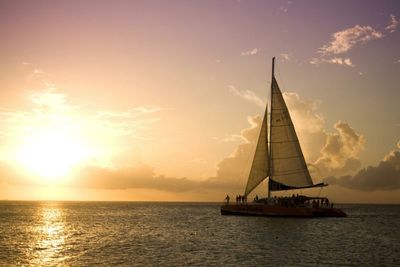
[260,167]
[287,161]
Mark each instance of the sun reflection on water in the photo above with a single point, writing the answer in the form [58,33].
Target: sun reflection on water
[50,235]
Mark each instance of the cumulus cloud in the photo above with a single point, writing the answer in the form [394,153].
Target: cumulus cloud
[340,152]
[328,153]
[251,52]
[384,176]
[343,41]
[235,167]
[393,24]
[247,95]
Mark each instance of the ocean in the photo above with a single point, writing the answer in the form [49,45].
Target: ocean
[191,234]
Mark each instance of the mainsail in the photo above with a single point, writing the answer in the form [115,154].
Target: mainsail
[260,167]
[288,166]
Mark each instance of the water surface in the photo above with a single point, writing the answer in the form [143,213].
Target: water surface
[192,234]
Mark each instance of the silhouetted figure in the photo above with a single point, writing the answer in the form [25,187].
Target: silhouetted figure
[227,199]
[256,198]
[314,204]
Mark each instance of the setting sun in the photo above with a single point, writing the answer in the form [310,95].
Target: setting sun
[51,154]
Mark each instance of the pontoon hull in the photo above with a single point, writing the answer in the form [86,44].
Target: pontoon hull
[279,211]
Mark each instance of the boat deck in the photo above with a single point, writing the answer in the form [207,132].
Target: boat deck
[264,209]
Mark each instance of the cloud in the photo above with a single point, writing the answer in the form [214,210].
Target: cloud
[248,95]
[283,9]
[251,52]
[384,176]
[341,61]
[141,176]
[102,134]
[340,152]
[346,39]
[336,60]
[393,25]
[235,167]
[231,171]
[285,57]
[315,61]
[328,153]
[304,113]
[231,138]
[333,153]
[131,113]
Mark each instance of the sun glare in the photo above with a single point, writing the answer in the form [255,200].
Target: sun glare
[51,154]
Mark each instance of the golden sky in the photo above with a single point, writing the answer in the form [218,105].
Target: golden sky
[162,100]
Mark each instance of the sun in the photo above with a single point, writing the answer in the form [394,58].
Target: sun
[51,153]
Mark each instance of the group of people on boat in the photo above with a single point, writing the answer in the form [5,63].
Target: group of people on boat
[293,201]
[287,201]
[323,203]
[299,200]
[239,199]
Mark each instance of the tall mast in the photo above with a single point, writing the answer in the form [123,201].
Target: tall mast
[270,124]
[273,68]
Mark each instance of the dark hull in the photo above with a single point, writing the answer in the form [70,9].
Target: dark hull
[259,209]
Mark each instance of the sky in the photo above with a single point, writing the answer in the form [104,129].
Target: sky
[162,100]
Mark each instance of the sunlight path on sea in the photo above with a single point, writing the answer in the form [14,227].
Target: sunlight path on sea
[49,235]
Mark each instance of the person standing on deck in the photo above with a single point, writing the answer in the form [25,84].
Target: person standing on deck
[227,199]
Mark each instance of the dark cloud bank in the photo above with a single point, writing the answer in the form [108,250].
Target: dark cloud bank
[385,176]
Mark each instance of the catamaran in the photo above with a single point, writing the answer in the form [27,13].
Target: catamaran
[281,161]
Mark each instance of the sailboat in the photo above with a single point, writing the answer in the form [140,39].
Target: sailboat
[281,161]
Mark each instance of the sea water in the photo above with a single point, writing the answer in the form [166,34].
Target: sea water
[192,234]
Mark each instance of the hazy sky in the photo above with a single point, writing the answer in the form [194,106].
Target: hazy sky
[161,100]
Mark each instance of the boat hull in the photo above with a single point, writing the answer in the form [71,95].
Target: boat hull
[257,209]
